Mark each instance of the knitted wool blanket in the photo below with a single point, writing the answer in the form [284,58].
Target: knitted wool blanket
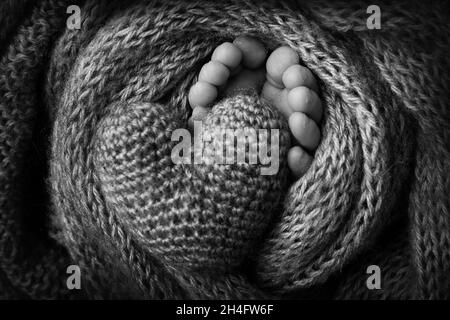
[86,178]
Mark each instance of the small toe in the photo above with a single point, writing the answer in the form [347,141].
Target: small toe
[298,161]
[214,73]
[305,130]
[253,52]
[227,54]
[278,62]
[297,75]
[305,100]
[202,94]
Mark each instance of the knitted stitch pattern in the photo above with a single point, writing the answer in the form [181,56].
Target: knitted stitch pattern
[86,177]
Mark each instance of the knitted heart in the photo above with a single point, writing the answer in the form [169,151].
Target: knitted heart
[191,215]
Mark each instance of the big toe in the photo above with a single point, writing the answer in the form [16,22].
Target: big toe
[278,62]
[253,52]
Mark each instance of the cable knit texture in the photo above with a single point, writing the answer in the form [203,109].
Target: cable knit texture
[86,177]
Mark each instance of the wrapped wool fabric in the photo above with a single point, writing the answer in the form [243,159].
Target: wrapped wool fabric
[86,179]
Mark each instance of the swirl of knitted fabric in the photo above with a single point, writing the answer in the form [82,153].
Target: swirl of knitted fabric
[87,179]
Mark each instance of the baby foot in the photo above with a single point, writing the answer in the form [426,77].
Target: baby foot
[293,89]
[233,66]
[290,87]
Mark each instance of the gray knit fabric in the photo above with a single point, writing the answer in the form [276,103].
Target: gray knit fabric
[86,178]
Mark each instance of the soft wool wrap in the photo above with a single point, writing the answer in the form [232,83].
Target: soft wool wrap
[86,177]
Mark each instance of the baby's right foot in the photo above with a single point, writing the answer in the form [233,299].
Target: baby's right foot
[290,87]
[293,89]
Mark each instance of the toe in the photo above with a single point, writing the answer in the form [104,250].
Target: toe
[278,62]
[297,75]
[214,73]
[202,94]
[227,54]
[305,100]
[305,130]
[298,161]
[253,52]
